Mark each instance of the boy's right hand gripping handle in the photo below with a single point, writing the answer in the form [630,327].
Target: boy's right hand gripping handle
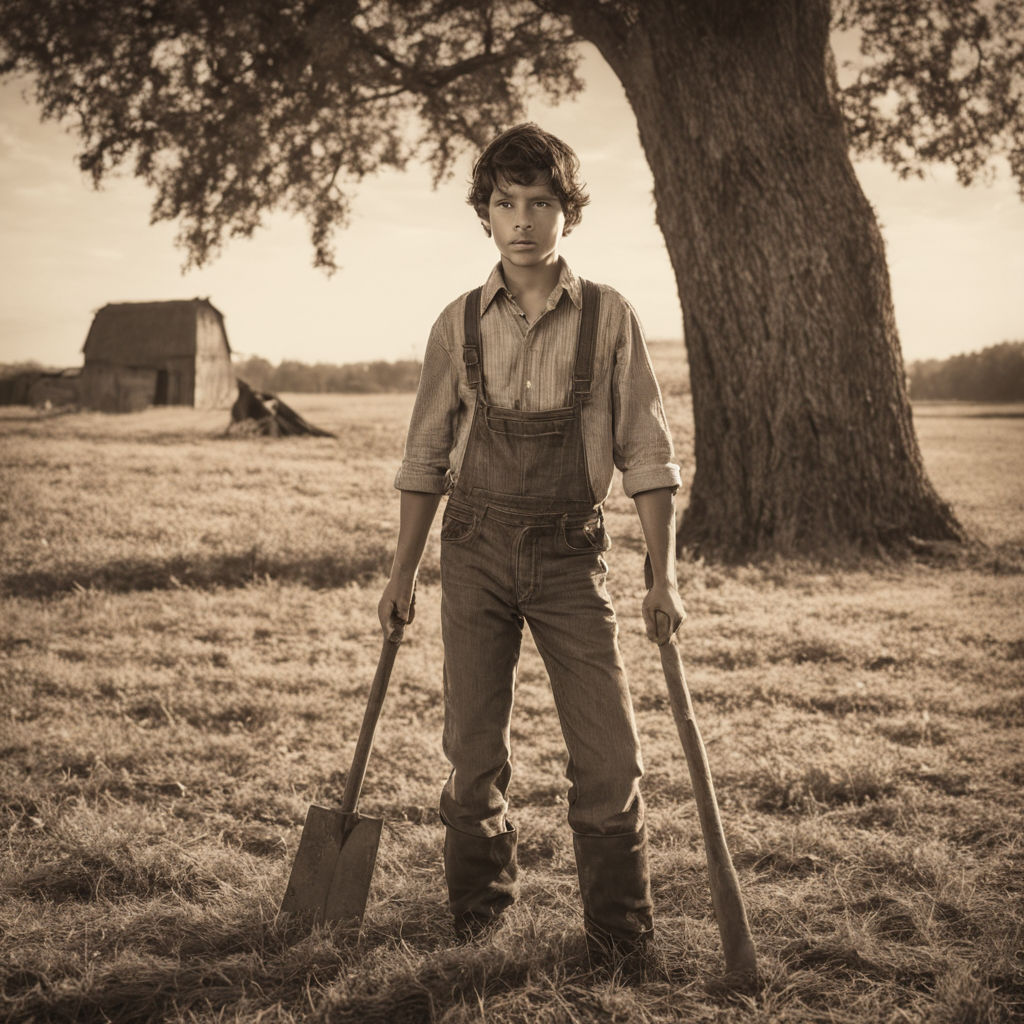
[396,625]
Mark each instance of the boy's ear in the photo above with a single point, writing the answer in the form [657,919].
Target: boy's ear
[486,225]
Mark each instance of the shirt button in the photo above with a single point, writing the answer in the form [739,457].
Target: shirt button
[529,384]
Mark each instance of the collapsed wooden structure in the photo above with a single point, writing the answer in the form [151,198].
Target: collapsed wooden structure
[260,412]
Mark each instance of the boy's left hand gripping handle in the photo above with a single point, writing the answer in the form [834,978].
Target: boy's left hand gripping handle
[396,626]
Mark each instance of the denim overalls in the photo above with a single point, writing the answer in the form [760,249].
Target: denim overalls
[522,539]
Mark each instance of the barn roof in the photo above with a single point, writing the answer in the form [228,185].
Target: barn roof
[137,330]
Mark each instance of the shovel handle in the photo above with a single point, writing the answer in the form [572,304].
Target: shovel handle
[374,703]
[737,943]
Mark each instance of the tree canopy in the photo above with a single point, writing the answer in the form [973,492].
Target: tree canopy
[231,108]
[941,82]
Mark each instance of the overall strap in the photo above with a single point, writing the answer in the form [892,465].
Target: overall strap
[586,345]
[471,339]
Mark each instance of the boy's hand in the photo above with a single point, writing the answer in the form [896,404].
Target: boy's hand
[397,606]
[663,613]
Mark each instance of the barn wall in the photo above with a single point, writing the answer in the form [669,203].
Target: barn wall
[117,388]
[215,386]
[180,379]
[108,387]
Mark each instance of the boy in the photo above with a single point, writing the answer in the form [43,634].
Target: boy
[532,388]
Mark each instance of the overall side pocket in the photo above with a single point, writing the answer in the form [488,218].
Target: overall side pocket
[584,538]
[458,524]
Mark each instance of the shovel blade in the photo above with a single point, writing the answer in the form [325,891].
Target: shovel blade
[330,879]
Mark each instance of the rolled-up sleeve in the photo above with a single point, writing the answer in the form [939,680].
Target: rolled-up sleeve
[429,441]
[642,441]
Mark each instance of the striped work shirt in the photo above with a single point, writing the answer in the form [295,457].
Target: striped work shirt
[529,367]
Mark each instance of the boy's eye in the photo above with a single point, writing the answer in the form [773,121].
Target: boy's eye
[541,202]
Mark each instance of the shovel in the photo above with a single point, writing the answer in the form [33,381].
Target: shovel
[330,878]
[737,944]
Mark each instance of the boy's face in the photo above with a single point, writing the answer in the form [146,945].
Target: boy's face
[526,221]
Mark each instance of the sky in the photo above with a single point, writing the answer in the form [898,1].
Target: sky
[956,255]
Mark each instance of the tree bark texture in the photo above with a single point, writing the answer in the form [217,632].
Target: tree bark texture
[803,430]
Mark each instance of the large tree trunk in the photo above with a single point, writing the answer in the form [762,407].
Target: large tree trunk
[804,435]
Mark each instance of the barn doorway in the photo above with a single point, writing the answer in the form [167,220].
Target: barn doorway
[160,398]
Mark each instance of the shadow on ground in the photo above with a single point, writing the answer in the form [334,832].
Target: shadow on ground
[231,569]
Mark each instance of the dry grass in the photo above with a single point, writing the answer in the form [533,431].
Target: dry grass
[977,452]
[187,636]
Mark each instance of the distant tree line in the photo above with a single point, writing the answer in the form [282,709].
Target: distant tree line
[25,366]
[328,378]
[995,374]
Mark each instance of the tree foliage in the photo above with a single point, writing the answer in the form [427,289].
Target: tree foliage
[230,109]
[329,378]
[941,82]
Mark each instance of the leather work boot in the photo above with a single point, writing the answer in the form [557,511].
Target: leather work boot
[482,878]
[615,886]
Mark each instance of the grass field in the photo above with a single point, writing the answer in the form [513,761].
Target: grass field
[187,635]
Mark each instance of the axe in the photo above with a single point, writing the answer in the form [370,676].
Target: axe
[737,944]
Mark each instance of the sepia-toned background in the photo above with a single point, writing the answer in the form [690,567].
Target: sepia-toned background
[188,632]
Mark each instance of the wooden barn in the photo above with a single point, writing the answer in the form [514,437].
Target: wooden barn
[139,354]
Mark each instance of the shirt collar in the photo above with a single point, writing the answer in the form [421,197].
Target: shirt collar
[567,282]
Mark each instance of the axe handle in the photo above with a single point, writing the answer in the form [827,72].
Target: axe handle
[737,944]
[354,779]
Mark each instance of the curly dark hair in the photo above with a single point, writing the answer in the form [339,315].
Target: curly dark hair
[518,155]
